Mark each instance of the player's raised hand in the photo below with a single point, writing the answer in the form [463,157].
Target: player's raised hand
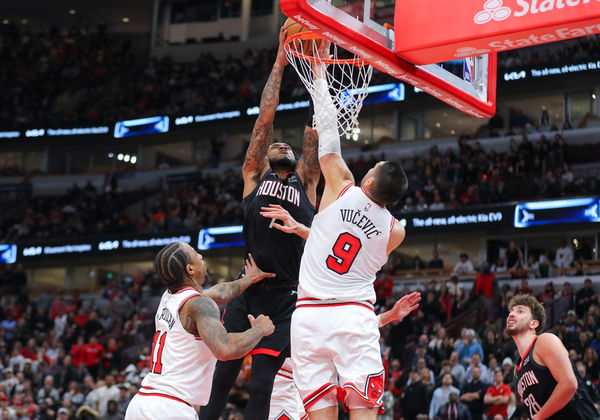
[405,305]
[263,322]
[288,223]
[319,66]
[254,273]
[281,57]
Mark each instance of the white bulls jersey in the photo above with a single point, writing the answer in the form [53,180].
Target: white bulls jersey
[181,364]
[346,247]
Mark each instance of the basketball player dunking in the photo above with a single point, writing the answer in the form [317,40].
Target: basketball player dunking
[349,241]
[272,175]
[547,381]
[190,337]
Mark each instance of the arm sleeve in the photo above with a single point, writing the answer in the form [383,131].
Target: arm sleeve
[325,119]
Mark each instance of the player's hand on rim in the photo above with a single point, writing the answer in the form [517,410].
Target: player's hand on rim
[319,67]
[281,56]
[254,273]
[406,305]
[263,322]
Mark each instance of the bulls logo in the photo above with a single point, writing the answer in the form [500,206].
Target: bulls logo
[375,387]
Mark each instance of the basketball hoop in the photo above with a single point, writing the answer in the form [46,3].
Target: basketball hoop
[347,78]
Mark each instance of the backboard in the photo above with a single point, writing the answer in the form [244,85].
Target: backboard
[437,31]
[356,27]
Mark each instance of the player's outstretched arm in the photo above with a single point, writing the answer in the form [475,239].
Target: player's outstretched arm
[255,162]
[202,315]
[290,225]
[308,165]
[335,171]
[396,236]
[554,355]
[403,306]
[226,292]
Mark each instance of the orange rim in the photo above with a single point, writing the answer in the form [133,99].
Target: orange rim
[308,35]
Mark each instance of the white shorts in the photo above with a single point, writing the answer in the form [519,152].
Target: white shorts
[285,399]
[336,355]
[159,407]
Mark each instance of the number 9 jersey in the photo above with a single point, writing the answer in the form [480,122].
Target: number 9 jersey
[346,247]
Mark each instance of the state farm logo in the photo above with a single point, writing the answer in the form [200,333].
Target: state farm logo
[492,10]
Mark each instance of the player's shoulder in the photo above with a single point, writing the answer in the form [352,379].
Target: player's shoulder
[200,305]
[547,339]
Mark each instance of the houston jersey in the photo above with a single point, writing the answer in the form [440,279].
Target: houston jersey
[181,364]
[535,384]
[346,247]
[273,250]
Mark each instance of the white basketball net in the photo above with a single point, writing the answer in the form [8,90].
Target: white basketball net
[347,79]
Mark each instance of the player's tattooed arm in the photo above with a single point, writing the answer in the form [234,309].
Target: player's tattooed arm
[308,166]
[200,316]
[255,160]
[225,292]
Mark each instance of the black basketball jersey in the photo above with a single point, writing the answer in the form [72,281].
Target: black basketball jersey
[273,250]
[535,384]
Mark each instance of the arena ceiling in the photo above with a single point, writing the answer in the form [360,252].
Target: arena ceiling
[41,13]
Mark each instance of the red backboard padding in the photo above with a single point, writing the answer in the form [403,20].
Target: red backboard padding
[434,31]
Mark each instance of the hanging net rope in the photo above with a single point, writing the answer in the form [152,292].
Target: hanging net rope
[337,85]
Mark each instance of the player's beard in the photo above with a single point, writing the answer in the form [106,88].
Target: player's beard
[516,329]
[285,163]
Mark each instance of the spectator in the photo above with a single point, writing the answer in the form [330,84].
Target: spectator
[436,261]
[472,394]
[523,288]
[457,294]
[485,283]
[441,395]
[414,398]
[92,353]
[454,409]
[458,370]
[112,412]
[497,397]
[564,257]
[584,297]
[514,256]
[463,266]
[468,347]
[476,363]
[47,391]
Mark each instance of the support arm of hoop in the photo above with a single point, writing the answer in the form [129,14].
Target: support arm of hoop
[325,120]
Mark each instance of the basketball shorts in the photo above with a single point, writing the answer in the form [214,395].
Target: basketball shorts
[159,407]
[285,399]
[336,355]
[278,304]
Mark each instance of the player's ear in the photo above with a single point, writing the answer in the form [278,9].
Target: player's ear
[534,324]
[189,269]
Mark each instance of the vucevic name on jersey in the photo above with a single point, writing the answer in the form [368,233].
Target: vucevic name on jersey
[275,251]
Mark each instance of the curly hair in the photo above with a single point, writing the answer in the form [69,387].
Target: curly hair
[537,309]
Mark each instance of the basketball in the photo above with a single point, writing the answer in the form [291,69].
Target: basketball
[292,27]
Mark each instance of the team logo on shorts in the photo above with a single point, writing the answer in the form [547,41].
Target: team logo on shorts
[375,387]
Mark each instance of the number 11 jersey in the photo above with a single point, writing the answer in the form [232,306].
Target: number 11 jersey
[181,364]
[346,247]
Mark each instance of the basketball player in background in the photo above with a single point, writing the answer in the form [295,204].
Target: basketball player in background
[189,336]
[349,241]
[547,381]
[272,175]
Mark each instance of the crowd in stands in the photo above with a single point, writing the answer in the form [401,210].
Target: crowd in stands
[439,180]
[72,356]
[557,53]
[85,75]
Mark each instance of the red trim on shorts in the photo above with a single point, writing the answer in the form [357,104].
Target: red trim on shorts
[268,352]
[344,190]
[286,371]
[372,393]
[323,305]
[156,394]
[318,394]
[304,417]
[284,376]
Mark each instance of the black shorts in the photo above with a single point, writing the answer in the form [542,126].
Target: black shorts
[278,304]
